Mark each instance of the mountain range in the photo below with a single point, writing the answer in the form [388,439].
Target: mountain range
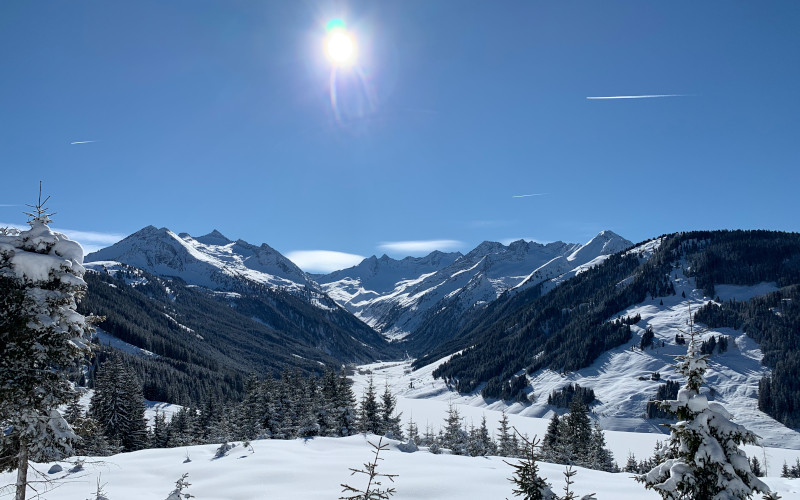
[495,322]
[401,299]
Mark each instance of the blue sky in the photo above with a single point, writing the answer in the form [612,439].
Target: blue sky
[219,115]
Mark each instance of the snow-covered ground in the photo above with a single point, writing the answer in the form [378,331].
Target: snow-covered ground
[314,469]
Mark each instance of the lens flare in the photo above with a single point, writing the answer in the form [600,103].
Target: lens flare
[351,90]
[340,47]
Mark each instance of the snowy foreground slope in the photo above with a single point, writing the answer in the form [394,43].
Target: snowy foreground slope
[314,469]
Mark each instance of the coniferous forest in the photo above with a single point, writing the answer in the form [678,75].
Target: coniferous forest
[569,327]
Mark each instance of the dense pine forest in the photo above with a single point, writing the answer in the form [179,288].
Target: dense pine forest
[206,343]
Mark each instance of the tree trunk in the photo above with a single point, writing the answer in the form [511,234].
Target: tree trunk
[22,469]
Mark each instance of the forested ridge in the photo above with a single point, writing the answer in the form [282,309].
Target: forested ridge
[207,343]
[774,322]
[569,327]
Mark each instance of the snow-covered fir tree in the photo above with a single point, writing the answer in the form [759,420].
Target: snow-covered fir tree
[412,431]
[480,442]
[702,458]
[42,338]
[504,443]
[600,457]
[454,437]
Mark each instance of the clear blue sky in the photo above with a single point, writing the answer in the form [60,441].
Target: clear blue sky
[219,115]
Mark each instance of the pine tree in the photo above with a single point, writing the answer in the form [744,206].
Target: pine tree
[249,413]
[159,437]
[347,416]
[118,405]
[413,431]
[369,419]
[42,338]
[308,406]
[484,444]
[374,490]
[454,436]
[577,434]
[552,448]
[390,423]
[504,447]
[631,465]
[755,466]
[600,457]
[529,484]
[703,458]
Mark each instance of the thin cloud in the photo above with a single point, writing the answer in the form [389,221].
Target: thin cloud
[89,240]
[647,96]
[527,195]
[419,246]
[81,142]
[323,261]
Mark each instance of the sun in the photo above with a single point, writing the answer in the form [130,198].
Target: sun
[340,45]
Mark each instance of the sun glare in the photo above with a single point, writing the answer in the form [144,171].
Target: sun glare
[340,46]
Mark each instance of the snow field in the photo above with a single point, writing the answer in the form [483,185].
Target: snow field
[313,469]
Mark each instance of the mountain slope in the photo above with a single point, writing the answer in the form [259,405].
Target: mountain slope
[571,327]
[425,302]
[199,346]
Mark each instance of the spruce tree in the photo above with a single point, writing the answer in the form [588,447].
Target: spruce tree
[42,338]
[480,442]
[504,447]
[369,419]
[159,437]
[577,434]
[412,430]
[529,484]
[118,405]
[347,416]
[390,423]
[454,438]
[703,458]
[552,447]
[600,457]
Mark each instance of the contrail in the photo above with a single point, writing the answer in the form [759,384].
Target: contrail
[527,195]
[80,142]
[649,96]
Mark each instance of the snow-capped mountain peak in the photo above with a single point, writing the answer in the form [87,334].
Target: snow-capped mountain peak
[212,238]
[605,243]
[212,260]
[397,303]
